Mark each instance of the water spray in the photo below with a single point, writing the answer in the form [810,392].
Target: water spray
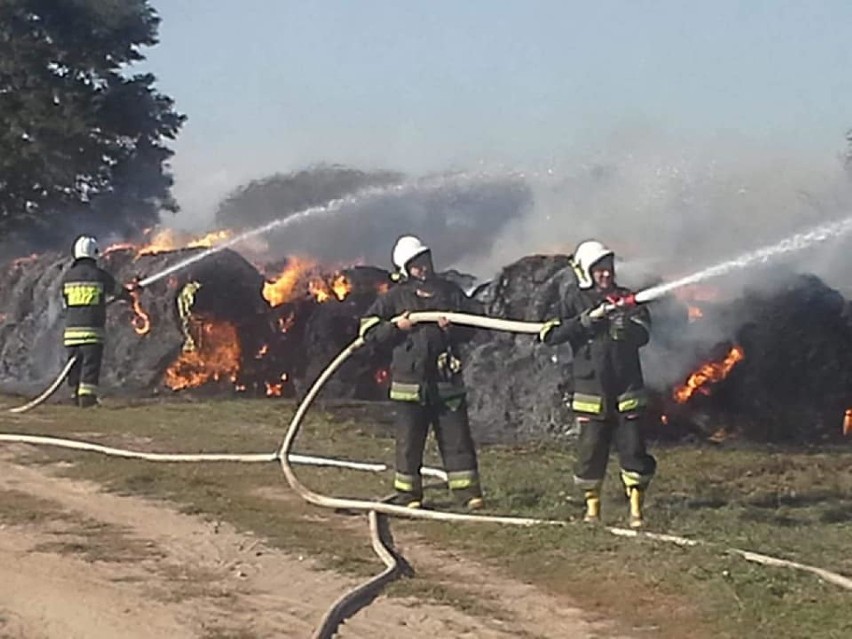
[794,243]
[333,206]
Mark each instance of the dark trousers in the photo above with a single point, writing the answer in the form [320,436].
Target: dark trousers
[593,446]
[455,443]
[86,372]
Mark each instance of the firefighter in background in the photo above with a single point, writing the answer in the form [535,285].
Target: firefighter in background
[85,288]
[609,395]
[426,380]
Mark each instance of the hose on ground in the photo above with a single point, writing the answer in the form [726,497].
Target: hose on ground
[49,391]
[378,511]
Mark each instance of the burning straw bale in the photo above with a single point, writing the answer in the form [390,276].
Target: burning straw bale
[795,381]
[773,365]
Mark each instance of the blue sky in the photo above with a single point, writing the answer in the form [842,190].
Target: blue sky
[275,85]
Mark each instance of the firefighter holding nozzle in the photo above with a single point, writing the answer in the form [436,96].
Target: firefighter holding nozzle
[605,329]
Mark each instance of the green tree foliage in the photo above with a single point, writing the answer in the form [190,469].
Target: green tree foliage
[279,195]
[82,140]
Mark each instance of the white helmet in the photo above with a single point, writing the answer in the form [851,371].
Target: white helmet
[585,257]
[407,248]
[86,246]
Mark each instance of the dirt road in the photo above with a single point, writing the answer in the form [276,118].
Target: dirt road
[79,562]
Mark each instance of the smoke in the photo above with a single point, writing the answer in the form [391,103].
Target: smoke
[459,216]
[671,207]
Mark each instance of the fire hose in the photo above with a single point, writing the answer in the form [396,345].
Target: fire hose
[378,511]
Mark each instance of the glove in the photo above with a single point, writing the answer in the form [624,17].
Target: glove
[592,316]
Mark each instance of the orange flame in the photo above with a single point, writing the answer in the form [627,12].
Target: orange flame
[847,422]
[211,239]
[121,246]
[162,240]
[709,372]
[341,287]
[276,389]
[141,320]
[323,291]
[282,288]
[216,357]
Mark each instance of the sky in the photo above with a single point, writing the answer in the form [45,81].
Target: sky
[276,85]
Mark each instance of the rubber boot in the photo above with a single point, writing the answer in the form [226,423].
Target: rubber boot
[409,500]
[637,499]
[87,401]
[593,507]
[475,503]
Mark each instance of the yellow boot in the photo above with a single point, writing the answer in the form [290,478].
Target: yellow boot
[637,499]
[593,506]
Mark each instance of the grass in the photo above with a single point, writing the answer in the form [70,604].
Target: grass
[792,503]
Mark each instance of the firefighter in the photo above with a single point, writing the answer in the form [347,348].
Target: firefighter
[85,288]
[609,396]
[426,379]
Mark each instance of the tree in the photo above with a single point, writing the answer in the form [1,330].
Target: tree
[279,195]
[82,145]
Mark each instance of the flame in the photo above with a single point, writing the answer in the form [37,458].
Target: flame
[211,239]
[664,419]
[323,291]
[121,246]
[161,240]
[263,351]
[286,323]
[709,372]
[281,289]
[141,320]
[341,287]
[216,357]
[276,389]
[319,290]
[847,422]
[695,313]
[381,376]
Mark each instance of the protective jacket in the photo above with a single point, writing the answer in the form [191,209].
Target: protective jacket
[85,288]
[607,371]
[425,364]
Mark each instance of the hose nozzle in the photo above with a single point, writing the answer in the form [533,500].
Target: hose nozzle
[619,302]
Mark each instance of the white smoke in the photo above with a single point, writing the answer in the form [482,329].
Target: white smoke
[675,206]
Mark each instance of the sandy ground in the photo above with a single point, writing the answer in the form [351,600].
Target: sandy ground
[154,572]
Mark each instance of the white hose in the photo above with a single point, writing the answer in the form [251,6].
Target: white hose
[362,504]
[388,509]
[355,599]
[50,390]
